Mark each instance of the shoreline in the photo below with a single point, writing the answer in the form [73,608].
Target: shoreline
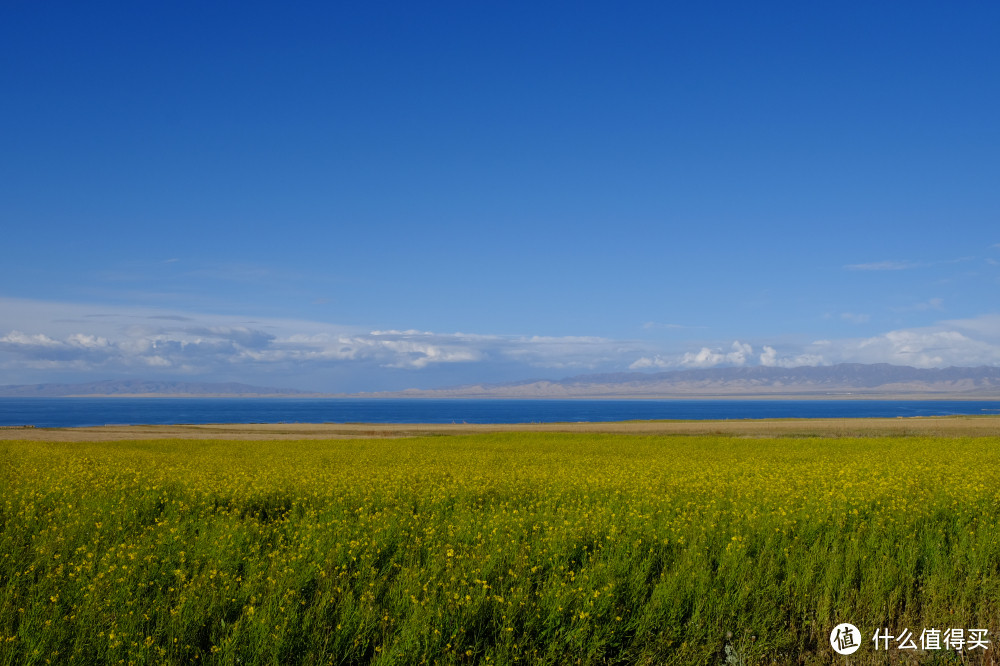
[986,425]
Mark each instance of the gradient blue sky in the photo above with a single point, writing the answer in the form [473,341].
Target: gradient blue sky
[379,195]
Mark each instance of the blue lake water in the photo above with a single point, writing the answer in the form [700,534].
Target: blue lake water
[69,412]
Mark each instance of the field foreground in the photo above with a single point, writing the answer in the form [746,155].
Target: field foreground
[497,547]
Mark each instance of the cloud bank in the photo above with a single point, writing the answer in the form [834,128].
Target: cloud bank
[37,338]
[968,342]
[72,342]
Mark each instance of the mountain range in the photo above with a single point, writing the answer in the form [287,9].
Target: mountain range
[843,380]
[140,388]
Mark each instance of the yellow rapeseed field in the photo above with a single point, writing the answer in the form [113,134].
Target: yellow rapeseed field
[495,548]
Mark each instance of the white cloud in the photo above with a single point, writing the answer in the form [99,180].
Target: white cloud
[924,348]
[27,341]
[193,349]
[40,340]
[707,358]
[769,357]
[740,354]
[961,342]
[104,340]
[854,317]
[967,342]
[87,341]
[648,362]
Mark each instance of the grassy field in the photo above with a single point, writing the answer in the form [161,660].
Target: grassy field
[495,547]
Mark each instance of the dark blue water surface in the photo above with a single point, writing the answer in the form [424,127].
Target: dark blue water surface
[69,412]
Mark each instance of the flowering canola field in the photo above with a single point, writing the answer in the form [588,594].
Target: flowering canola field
[494,548]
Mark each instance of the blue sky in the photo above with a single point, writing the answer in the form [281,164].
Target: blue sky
[366,196]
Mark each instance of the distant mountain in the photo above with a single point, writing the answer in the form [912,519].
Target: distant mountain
[137,387]
[854,379]
[846,379]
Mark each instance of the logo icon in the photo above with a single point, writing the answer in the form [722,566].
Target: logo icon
[845,638]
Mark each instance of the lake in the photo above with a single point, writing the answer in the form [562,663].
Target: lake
[73,412]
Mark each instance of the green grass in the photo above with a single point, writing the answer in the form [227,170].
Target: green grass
[496,548]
